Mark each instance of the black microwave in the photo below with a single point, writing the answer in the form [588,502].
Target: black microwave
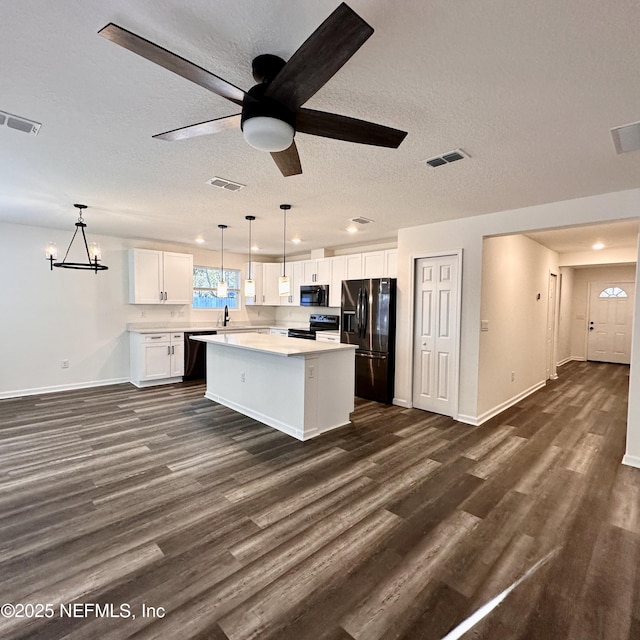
[314,295]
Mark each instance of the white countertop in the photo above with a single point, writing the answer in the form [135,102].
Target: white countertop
[276,345]
[154,327]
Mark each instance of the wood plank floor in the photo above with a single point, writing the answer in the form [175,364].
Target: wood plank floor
[399,526]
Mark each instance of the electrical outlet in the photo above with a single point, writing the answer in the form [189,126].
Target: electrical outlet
[143,314]
[64,364]
[242,377]
[513,376]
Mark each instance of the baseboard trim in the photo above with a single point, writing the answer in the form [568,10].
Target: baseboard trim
[631,461]
[61,387]
[487,415]
[571,359]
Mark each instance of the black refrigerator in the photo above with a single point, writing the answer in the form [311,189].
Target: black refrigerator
[368,320]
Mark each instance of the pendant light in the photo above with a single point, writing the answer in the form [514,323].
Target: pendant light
[221,290]
[284,285]
[249,283]
[93,250]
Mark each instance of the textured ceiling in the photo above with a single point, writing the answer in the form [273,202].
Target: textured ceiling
[529,90]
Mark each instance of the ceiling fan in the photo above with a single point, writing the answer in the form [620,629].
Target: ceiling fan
[272,110]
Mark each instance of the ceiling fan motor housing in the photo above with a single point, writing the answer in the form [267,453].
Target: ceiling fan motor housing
[265,107]
[266,67]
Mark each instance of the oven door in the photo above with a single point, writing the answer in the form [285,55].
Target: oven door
[305,334]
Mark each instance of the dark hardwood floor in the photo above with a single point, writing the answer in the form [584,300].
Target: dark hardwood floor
[399,526]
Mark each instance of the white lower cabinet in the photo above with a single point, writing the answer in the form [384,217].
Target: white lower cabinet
[156,358]
[322,336]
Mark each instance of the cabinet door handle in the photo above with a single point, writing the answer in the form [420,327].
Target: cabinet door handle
[168,350]
[165,295]
[156,337]
[161,298]
[173,350]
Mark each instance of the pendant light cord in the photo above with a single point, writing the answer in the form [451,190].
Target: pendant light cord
[249,249]
[284,244]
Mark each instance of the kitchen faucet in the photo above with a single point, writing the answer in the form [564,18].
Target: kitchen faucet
[226,316]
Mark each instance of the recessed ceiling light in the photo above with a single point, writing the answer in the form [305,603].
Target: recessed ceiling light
[352,229]
[296,240]
[200,240]
[255,248]
[597,246]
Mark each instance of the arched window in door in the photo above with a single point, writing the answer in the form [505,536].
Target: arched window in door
[613,292]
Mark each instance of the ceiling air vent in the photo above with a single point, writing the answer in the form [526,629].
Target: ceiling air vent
[361,220]
[447,158]
[627,137]
[223,183]
[19,124]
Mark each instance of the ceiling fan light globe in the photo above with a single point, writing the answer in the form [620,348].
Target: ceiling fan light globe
[268,134]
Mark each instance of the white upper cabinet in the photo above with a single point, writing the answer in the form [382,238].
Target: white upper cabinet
[391,263]
[338,274]
[271,271]
[316,271]
[294,271]
[160,277]
[373,264]
[258,277]
[354,267]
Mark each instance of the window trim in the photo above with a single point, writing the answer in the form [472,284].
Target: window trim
[613,292]
[238,291]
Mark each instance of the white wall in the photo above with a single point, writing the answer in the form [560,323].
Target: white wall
[582,278]
[48,316]
[515,282]
[467,234]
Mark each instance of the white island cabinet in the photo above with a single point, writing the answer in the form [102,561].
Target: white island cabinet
[300,387]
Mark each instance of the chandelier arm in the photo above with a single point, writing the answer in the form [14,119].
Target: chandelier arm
[69,247]
[86,245]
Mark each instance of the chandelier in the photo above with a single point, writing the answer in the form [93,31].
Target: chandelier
[93,250]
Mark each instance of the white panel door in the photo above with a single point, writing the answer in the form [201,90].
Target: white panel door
[610,322]
[552,297]
[435,369]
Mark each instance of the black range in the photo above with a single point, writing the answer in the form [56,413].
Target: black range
[317,322]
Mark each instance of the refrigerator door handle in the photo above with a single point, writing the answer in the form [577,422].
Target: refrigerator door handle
[365,312]
[359,313]
[371,356]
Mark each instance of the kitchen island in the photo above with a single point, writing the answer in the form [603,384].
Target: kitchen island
[300,387]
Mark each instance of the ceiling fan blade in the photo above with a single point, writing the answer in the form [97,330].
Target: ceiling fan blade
[288,161]
[202,128]
[332,125]
[172,62]
[324,52]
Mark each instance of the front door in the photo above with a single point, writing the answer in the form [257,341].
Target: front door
[610,322]
[436,335]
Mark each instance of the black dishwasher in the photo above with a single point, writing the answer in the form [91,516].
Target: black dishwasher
[195,355]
